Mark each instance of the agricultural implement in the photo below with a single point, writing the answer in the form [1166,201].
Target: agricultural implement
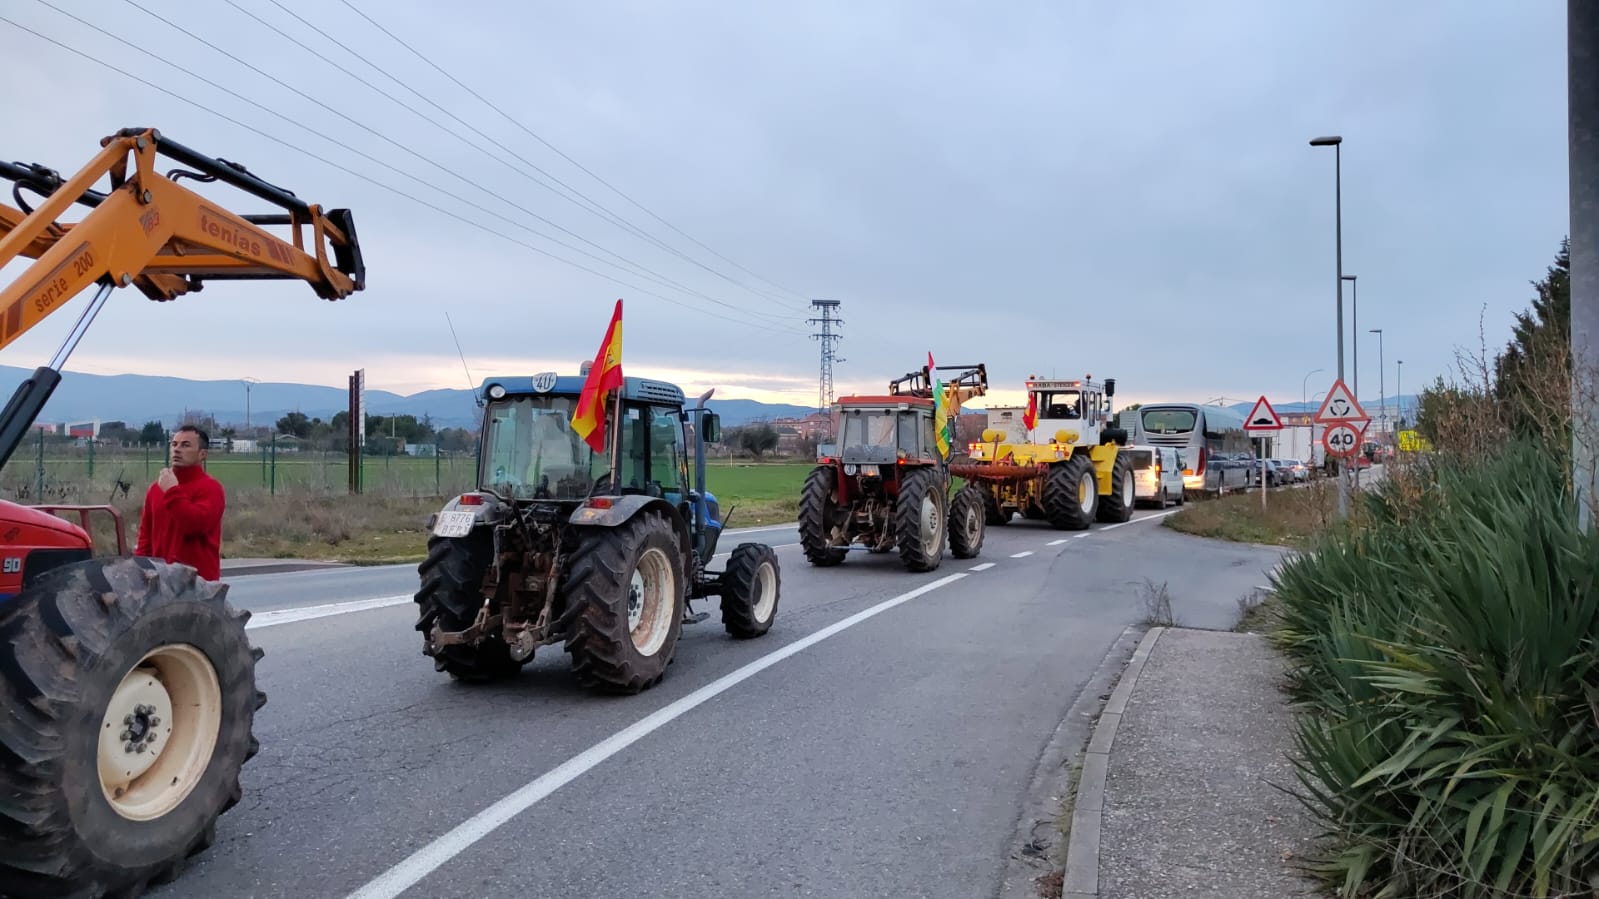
[885,483]
[127,685]
[600,552]
[1071,473]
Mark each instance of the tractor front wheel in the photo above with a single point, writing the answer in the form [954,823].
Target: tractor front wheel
[1118,505]
[1071,493]
[749,590]
[627,585]
[920,519]
[966,521]
[129,693]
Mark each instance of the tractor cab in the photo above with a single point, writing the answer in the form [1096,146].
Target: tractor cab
[873,431]
[1078,407]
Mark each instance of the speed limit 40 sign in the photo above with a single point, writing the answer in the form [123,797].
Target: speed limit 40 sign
[1341,439]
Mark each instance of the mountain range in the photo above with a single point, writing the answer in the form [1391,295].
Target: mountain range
[136,399]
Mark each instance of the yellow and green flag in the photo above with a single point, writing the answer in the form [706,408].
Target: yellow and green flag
[941,422]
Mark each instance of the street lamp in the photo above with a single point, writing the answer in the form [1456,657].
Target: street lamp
[1399,392]
[1304,397]
[1382,390]
[248,383]
[1336,142]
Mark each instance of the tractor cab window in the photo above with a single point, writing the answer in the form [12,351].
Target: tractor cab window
[531,452]
[1058,404]
[668,454]
[869,428]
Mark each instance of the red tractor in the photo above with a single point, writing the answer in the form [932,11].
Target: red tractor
[884,483]
[127,685]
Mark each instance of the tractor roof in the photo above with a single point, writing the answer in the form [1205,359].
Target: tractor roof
[639,389]
[917,402]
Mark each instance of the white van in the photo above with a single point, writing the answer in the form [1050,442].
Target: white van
[1157,474]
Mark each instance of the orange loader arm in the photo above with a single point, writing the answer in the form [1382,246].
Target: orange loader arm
[151,232]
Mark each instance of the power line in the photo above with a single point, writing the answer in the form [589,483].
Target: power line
[419,55]
[593,206]
[644,272]
[370,180]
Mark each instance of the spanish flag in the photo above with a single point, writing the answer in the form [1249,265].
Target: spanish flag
[604,375]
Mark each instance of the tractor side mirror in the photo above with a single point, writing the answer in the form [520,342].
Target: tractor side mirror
[711,427]
[1110,388]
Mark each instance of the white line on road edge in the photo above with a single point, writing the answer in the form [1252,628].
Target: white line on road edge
[1151,517]
[424,861]
[984,566]
[306,613]
[1021,555]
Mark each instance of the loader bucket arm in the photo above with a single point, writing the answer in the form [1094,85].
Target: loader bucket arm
[970,381]
[151,232]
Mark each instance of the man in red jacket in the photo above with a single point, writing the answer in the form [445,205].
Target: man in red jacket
[182,517]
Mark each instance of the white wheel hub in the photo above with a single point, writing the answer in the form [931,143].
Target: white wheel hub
[765,592]
[930,521]
[158,732]
[649,597]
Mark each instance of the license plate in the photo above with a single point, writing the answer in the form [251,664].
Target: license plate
[453,524]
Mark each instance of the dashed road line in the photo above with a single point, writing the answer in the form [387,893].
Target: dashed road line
[1021,554]
[982,566]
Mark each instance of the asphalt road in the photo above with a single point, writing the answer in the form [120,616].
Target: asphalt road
[878,741]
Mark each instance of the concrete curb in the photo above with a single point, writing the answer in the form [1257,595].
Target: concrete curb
[1082,851]
[1037,836]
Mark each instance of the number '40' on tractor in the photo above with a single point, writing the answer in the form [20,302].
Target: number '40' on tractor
[601,552]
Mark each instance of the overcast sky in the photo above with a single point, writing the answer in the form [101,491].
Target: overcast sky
[1124,190]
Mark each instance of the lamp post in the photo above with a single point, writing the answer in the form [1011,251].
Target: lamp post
[248,383]
[1382,391]
[1336,142]
[1354,331]
[1399,392]
[1310,428]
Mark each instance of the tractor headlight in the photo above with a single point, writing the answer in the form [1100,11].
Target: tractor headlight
[496,392]
[850,469]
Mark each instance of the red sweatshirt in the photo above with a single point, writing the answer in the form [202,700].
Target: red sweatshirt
[184,524]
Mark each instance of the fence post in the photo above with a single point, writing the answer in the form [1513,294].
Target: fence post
[91,457]
[41,465]
[274,465]
[146,460]
[263,466]
[438,472]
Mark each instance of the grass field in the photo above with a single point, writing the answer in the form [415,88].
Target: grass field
[301,508]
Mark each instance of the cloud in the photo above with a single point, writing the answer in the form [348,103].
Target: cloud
[1118,189]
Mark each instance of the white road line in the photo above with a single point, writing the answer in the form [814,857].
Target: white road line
[1022,554]
[1150,517]
[1057,542]
[984,566]
[306,613]
[424,861]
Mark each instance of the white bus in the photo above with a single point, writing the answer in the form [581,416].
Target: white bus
[1197,431]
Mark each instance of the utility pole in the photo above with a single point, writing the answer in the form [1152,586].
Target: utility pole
[1337,142]
[828,308]
[1382,386]
[1582,99]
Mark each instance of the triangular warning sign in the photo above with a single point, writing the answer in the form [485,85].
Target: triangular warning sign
[1263,417]
[1340,405]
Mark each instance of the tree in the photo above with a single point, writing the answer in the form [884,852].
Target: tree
[295,423]
[1532,376]
[153,432]
[757,438]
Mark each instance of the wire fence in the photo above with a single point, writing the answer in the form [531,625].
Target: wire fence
[57,471]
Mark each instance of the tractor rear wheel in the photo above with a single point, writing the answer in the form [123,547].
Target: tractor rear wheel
[128,689]
[920,519]
[749,590]
[817,510]
[1071,493]
[1118,505]
[628,589]
[966,521]
[450,596]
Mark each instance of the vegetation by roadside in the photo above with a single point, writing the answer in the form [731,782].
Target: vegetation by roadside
[1291,517]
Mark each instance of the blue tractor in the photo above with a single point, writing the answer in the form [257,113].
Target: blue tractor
[603,552]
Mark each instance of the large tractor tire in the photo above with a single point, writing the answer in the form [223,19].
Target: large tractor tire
[966,521]
[817,510]
[628,589]
[451,595]
[127,702]
[1071,493]
[750,587]
[1118,505]
[921,520]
